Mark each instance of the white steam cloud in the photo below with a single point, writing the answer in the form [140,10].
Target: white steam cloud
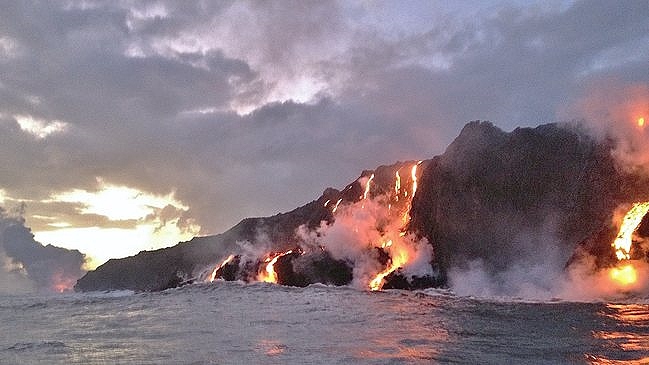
[618,111]
[362,227]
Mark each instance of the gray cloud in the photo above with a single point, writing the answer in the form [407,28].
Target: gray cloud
[147,91]
[32,265]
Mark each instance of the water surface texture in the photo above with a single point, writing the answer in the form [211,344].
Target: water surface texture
[232,323]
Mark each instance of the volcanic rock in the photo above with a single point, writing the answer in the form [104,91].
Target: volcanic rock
[493,196]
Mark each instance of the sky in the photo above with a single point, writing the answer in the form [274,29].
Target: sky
[128,126]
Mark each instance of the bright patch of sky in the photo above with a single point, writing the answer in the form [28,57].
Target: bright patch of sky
[103,244]
[39,128]
[118,202]
[152,230]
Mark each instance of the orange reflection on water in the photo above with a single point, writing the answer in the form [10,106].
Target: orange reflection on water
[271,347]
[387,347]
[629,334]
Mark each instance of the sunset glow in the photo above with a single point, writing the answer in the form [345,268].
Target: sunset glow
[150,227]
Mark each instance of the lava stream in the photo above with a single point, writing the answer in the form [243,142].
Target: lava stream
[630,223]
[625,272]
[398,248]
[216,269]
[268,275]
[398,260]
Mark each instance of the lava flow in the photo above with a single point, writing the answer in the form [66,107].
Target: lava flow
[625,272]
[216,269]
[630,223]
[397,248]
[62,283]
[268,275]
[398,259]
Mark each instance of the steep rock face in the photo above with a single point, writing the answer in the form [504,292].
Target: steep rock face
[498,197]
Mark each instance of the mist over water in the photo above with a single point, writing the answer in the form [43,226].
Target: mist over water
[234,323]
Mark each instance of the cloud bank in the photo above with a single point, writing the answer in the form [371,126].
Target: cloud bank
[251,108]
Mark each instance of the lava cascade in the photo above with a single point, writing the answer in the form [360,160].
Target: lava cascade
[624,273]
[375,224]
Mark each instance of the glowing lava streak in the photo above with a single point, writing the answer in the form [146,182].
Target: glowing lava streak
[630,223]
[336,206]
[640,122]
[414,179]
[367,187]
[225,262]
[397,261]
[269,275]
[626,274]
[397,185]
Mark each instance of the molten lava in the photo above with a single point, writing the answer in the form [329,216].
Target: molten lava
[268,275]
[61,283]
[398,247]
[624,275]
[367,187]
[398,259]
[397,185]
[630,223]
[414,179]
[336,206]
[216,269]
[641,122]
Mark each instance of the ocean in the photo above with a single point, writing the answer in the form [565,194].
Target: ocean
[236,323]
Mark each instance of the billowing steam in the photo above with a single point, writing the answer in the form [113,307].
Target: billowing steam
[29,266]
[620,112]
[362,229]
[540,273]
[365,243]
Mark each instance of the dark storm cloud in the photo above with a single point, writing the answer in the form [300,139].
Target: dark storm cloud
[146,91]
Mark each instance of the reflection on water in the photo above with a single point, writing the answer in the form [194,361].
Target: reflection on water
[626,330]
[234,323]
[271,347]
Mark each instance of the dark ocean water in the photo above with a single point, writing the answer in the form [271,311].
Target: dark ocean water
[232,323]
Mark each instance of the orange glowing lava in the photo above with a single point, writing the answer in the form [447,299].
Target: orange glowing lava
[399,259]
[61,283]
[225,262]
[414,179]
[641,122]
[624,275]
[367,187]
[397,185]
[268,275]
[398,246]
[630,223]
[336,206]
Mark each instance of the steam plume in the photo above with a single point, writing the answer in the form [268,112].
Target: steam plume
[620,112]
[28,265]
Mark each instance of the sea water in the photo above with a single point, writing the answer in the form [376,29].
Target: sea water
[235,323]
